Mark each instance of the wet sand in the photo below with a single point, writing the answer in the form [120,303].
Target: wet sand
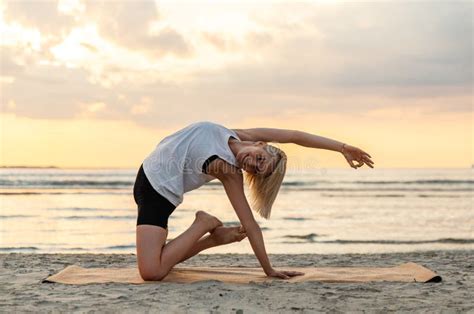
[21,289]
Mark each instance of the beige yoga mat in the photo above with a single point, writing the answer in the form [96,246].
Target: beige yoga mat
[408,272]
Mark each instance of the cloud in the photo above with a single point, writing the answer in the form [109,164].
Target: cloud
[367,45]
[90,47]
[8,65]
[42,15]
[421,44]
[49,91]
[128,24]
[220,41]
[227,43]
[339,58]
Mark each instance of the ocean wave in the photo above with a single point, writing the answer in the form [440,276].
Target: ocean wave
[311,238]
[411,189]
[16,216]
[443,240]
[87,209]
[296,218]
[97,217]
[64,183]
[15,182]
[25,193]
[64,192]
[18,248]
[284,189]
[392,195]
[120,247]
[376,182]
[72,249]
[442,181]
[33,248]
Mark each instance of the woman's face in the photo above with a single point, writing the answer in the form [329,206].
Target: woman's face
[255,159]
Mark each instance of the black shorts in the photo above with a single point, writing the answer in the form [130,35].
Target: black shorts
[153,208]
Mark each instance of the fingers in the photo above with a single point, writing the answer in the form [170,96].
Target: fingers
[350,162]
[368,161]
[287,274]
[360,161]
[295,273]
[282,275]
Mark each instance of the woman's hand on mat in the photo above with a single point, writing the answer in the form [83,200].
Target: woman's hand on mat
[353,153]
[284,274]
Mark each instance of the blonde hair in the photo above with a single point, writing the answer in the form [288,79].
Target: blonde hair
[265,189]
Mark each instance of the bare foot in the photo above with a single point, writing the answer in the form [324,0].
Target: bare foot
[211,222]
[224,235]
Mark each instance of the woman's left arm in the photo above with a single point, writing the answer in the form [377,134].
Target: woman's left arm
[316,141]
[306,139]
[349,152]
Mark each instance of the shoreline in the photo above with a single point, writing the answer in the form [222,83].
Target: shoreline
[22,273]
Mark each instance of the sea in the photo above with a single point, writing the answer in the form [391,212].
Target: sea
[317,211]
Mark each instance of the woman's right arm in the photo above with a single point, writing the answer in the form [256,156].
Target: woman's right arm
[234,189]
[232,179]
[233,186]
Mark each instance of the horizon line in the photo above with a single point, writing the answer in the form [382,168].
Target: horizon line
[288,168]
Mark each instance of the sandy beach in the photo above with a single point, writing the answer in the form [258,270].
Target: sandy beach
[21,288]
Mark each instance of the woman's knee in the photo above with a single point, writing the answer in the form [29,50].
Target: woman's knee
[151,271]
[150,241]
[153,275]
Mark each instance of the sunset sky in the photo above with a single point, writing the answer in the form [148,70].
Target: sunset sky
[100,83]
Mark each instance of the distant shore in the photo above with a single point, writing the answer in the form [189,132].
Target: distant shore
[31,167]
[21,276]
[62,168]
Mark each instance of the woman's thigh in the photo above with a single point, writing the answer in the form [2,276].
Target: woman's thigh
[150,240]
[152,226]
[153,208]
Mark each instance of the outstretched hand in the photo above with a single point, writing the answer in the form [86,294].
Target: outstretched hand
[284,274]
[352,153]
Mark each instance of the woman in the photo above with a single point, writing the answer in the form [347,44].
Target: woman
[199,153]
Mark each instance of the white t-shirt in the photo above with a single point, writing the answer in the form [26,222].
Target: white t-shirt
[175,165]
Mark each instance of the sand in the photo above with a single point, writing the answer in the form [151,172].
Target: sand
[21,289]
